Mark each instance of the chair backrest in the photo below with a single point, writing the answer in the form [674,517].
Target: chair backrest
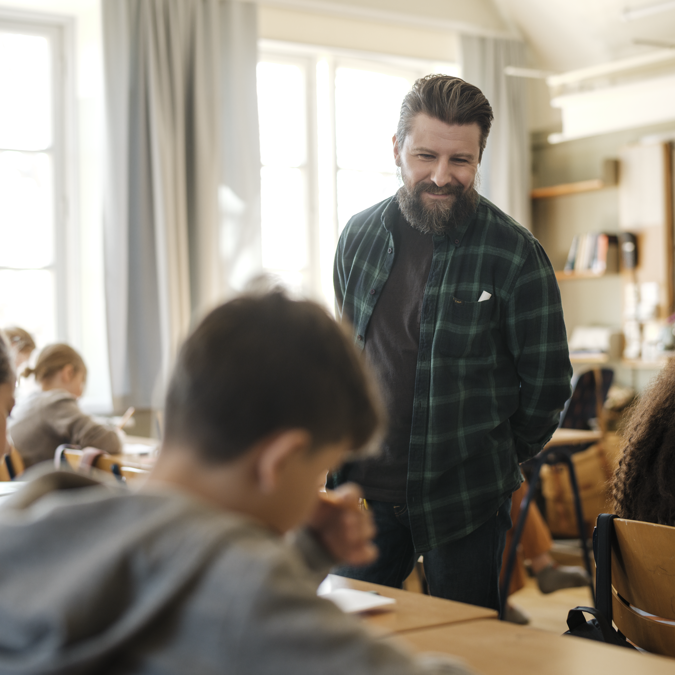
[85,460]
[588,396]
[643,581]
[113,465]
[11,465]
[18,467]
[5,463]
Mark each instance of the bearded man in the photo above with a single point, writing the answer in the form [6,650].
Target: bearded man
[458,310]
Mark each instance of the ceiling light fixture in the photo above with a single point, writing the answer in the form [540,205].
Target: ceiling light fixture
[647,10]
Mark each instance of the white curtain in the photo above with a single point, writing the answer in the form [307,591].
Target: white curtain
[170,98]
[505,168]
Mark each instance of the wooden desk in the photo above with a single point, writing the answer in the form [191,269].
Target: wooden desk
[499,648]
[412,610]
[573,437]
[139,452]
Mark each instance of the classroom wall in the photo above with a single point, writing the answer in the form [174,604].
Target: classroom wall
[556,221]
[383,26]
[477,16]
[358,34]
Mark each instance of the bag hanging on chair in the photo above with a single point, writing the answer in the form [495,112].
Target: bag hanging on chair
[599,628]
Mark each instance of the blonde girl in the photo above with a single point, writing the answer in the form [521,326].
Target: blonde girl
[50,416]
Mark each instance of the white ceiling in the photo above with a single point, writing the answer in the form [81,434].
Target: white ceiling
[569,34]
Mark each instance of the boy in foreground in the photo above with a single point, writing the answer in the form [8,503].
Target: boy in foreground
[193,574]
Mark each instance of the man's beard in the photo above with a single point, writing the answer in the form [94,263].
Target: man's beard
[439,217]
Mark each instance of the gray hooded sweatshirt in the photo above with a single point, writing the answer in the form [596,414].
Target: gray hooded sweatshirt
[95,579]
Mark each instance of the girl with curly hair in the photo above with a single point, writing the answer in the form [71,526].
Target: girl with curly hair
[644,483]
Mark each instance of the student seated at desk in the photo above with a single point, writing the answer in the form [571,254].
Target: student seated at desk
[50,417]
[194,573]
[644,483]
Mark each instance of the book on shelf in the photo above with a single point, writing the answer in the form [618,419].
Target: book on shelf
[596,252]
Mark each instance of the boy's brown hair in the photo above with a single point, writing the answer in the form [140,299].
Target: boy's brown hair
[265,363]
[448,99]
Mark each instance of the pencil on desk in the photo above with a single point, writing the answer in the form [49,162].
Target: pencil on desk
[126,417]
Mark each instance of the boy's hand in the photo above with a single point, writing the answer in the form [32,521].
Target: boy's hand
[343,527]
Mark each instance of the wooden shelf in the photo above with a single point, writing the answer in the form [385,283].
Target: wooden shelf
[610,176]
[569,188]
[589,358]
[640,364]
[586,274]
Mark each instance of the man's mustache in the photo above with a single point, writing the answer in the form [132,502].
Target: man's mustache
[431,188]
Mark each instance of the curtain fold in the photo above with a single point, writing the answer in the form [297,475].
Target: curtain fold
[505,168]
[169,99]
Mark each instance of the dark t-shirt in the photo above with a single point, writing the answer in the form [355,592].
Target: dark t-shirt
[391,346]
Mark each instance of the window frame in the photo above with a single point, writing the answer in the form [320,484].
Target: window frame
[60,32]
[322,179]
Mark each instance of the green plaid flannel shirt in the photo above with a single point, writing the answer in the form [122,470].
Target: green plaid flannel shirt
[492,376]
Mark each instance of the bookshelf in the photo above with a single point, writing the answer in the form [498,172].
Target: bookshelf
[586,274]
[640,203]
[610,175]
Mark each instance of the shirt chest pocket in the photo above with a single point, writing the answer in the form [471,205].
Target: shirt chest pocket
[465,328]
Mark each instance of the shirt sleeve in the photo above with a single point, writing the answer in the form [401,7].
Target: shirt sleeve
[339,278]
[70,422]
[537,339]
[286,628]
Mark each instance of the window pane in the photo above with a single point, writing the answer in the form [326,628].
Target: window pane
[284,223]
[357,190]
[26,210]
[282,113]
[367,106]
[25,92]
[27,300]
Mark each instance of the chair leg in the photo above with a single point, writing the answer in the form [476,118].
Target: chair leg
[565,457]
[517,534]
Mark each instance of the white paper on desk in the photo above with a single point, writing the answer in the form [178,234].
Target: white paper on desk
[138,448]
[352,601]
[10,487]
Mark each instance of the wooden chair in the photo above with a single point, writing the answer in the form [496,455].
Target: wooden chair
[11,465]
[588,397]
[640,559]
[4,470]
[83,461]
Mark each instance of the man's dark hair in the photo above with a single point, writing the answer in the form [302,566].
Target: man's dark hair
[448,99]
[644,483]
[265,363]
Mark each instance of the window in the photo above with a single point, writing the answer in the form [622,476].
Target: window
[326,127]
[32,179]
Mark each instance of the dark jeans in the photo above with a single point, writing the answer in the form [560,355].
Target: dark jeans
[466,570]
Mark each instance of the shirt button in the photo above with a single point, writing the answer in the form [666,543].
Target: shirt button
[390,250]
[456,242]
[372,291]
[359,338]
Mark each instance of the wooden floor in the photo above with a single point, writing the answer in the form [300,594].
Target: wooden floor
[546,612]
[549,612]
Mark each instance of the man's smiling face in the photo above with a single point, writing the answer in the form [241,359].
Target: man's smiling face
[438,164]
